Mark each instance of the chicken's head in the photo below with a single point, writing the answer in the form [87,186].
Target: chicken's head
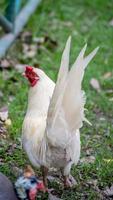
[31,75]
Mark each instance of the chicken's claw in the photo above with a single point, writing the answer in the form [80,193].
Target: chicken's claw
[69,181]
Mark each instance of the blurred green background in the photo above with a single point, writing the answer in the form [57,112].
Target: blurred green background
[41,44]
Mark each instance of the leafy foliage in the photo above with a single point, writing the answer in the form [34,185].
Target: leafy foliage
[3,5]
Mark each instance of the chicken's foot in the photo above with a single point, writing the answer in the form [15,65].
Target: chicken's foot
[69,181]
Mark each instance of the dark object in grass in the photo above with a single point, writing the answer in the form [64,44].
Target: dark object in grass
[26,186]
[6,189]
[50,43]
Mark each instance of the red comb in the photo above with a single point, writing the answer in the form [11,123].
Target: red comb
[29,68]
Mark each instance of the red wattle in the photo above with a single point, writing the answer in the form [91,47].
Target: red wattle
[33,82]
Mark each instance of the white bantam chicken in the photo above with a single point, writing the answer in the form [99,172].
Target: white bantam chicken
[55,113]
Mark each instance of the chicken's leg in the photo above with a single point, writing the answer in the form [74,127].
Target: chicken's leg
[44,174]
[68,179]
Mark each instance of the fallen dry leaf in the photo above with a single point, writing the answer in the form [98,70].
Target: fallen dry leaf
[6,74]
[2,130]
[102,119]
[3,114]
[20,67]
[39,40]
[1,94]
[110,91]
[16,170]
[111,99]
[111,23]
[53,197]
[67,23]
[107,75]
[11,148]
[108,160]
[11,98]
[93,182]
[29,50]
[5,63]
[8,122]
[50,43]
[1,162]
[89,151]
[109,191]
[95,84]
[88,159]
[26,37]
[51,178]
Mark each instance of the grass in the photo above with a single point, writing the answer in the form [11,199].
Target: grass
[87,21]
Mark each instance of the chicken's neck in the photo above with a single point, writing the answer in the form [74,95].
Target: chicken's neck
[38,101]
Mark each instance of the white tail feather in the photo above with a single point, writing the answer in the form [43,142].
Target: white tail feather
[65,60]
[66,110]
[60,85]
[89,57]
[81,55]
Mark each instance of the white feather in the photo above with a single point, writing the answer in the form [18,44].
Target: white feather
[67,114]
[60,85]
